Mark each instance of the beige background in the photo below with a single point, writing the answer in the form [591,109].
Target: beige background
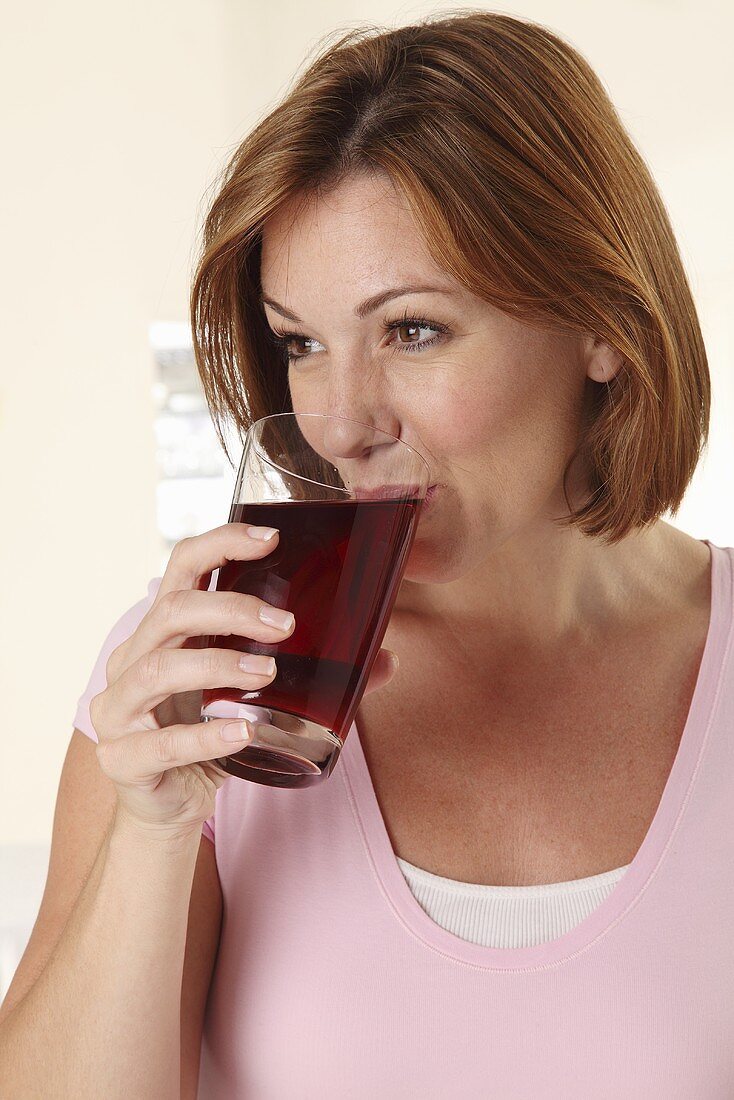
[115,122]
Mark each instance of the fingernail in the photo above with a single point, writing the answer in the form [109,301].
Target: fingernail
[236,731]
[255,663]
[263,533]
[274,616]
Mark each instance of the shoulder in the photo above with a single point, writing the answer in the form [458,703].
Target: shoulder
[121,629]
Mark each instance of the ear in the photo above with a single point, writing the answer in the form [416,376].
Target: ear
[602,360]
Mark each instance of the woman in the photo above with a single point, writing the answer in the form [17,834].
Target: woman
[519,880]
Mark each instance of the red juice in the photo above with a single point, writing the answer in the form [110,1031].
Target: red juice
[337,567]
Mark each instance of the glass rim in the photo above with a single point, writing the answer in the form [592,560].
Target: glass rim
[349,420]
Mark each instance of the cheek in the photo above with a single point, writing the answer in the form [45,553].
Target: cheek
[505,439]
[531,417]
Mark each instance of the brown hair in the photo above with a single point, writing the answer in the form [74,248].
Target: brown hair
[529,192]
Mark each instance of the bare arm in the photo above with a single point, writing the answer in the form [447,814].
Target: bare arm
[97,1007]
[119,963]
[123,920]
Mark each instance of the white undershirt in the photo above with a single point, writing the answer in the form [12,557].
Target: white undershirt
[508,916]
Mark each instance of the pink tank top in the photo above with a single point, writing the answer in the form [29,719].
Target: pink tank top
[332,981]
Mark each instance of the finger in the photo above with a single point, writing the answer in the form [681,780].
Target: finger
[383,670]
[195,558]
[160,673]
[189,568]
[141,757]
[185,614]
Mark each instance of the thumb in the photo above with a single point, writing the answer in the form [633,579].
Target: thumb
[383,670]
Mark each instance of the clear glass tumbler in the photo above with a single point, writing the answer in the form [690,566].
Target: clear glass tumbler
[346,499]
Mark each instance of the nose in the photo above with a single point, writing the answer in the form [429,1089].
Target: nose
[363,423]
[362,451]
[361,432]
[355,388]
[348,437]
[370,462]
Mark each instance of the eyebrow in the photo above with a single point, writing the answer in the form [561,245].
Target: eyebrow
[369,305]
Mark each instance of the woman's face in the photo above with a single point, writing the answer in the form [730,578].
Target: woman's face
[493,404]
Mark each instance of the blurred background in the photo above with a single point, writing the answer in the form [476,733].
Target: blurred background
[115,123]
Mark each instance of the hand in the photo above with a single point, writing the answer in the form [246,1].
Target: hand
[164,769]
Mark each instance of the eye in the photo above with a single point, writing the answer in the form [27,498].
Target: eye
[283,340]
[417,323]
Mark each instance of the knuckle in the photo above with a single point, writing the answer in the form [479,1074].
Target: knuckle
[153,667]
[115,662]
[212,662]
[111,667]
[203,739]
[172,605]
[181,548]
[94,708]
[235,606]
[164,747]
[105,752]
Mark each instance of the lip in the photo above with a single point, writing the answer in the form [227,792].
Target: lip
[430,496]
[388,492]
[391,492]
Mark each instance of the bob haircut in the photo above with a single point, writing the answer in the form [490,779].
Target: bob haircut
[528,191]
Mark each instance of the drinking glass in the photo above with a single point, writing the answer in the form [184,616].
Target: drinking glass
[346,499]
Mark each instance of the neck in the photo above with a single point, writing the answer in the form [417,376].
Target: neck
[544,587]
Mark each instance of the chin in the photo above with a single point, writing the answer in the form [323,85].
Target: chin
[437,560]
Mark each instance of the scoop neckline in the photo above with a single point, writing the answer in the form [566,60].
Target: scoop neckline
[640,870]
[513,893]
